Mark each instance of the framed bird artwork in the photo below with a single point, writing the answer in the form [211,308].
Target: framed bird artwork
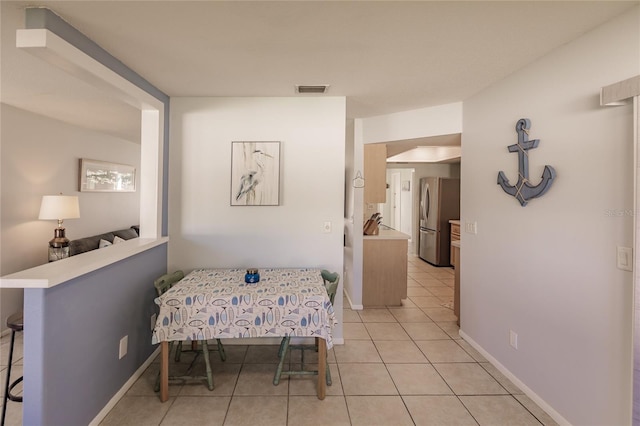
[255,173]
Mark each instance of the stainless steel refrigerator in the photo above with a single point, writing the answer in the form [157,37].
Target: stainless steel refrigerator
[439,203]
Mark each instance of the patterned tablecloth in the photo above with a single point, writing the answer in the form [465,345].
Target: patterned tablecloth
[217,303]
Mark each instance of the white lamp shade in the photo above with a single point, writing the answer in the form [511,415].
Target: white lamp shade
[58,207]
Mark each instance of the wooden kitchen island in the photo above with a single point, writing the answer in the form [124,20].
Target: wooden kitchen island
[384,272]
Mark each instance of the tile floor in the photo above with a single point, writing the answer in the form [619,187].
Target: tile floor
[399,366]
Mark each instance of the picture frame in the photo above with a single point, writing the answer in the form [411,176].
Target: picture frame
[102,176]
[255,173]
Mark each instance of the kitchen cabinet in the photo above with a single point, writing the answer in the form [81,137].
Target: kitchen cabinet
[375,173]
[384,269]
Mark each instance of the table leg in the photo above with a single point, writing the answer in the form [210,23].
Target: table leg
[164,371]
[322,366]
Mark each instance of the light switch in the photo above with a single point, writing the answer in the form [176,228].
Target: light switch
[122,350]
[471,227]
[625,258]
[326,227]
[513,339]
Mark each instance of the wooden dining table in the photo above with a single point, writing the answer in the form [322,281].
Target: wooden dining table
[219,304]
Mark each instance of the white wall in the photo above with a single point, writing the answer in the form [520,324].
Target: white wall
[406,201]
[349,208]
[40,156]
[548,270]
[354,237]
[418,123]
[205,231]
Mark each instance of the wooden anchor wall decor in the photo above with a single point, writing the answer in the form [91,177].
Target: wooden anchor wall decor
[523,190]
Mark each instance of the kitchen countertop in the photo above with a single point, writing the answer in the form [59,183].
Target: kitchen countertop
[388,234]
[455,221]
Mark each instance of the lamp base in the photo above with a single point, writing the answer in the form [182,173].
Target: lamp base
[57,253]
[58,246]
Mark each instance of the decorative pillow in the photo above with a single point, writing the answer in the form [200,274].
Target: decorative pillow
[117,240]
[104,243]
[88,243]
[126,234]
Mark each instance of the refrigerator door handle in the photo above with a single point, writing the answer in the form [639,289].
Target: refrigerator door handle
[421,212]
[427,201]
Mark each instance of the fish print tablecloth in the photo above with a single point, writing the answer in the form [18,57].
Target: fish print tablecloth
[217,303]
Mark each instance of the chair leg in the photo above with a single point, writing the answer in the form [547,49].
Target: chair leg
[328,374]
[156,387]
[223,355]
[281,347]
[207,363]
[284,346]
[178,351]
[6,385]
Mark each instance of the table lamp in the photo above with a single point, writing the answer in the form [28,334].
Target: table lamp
[59,207]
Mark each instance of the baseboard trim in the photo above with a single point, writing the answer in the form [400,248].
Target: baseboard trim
[353,307]
[527,391]
[123,390]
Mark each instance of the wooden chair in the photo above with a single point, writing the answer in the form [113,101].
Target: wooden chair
[162,285]
[331,281]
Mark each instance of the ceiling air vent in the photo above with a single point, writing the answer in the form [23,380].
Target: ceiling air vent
[312,89]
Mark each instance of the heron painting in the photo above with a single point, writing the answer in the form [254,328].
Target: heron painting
[255,173]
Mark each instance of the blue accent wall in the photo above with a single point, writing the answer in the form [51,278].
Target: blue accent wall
[72,336]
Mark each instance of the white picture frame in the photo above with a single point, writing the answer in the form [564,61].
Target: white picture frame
[102,176]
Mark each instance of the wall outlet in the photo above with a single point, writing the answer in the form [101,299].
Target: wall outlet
[471,227]
[124,342]
[154,317]
[326,227]
[513,339]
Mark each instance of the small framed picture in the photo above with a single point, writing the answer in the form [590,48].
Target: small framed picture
[101,176]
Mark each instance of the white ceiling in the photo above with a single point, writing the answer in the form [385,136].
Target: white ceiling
[384,57]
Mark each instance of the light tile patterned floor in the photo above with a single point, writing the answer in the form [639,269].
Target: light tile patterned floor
[399,365]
